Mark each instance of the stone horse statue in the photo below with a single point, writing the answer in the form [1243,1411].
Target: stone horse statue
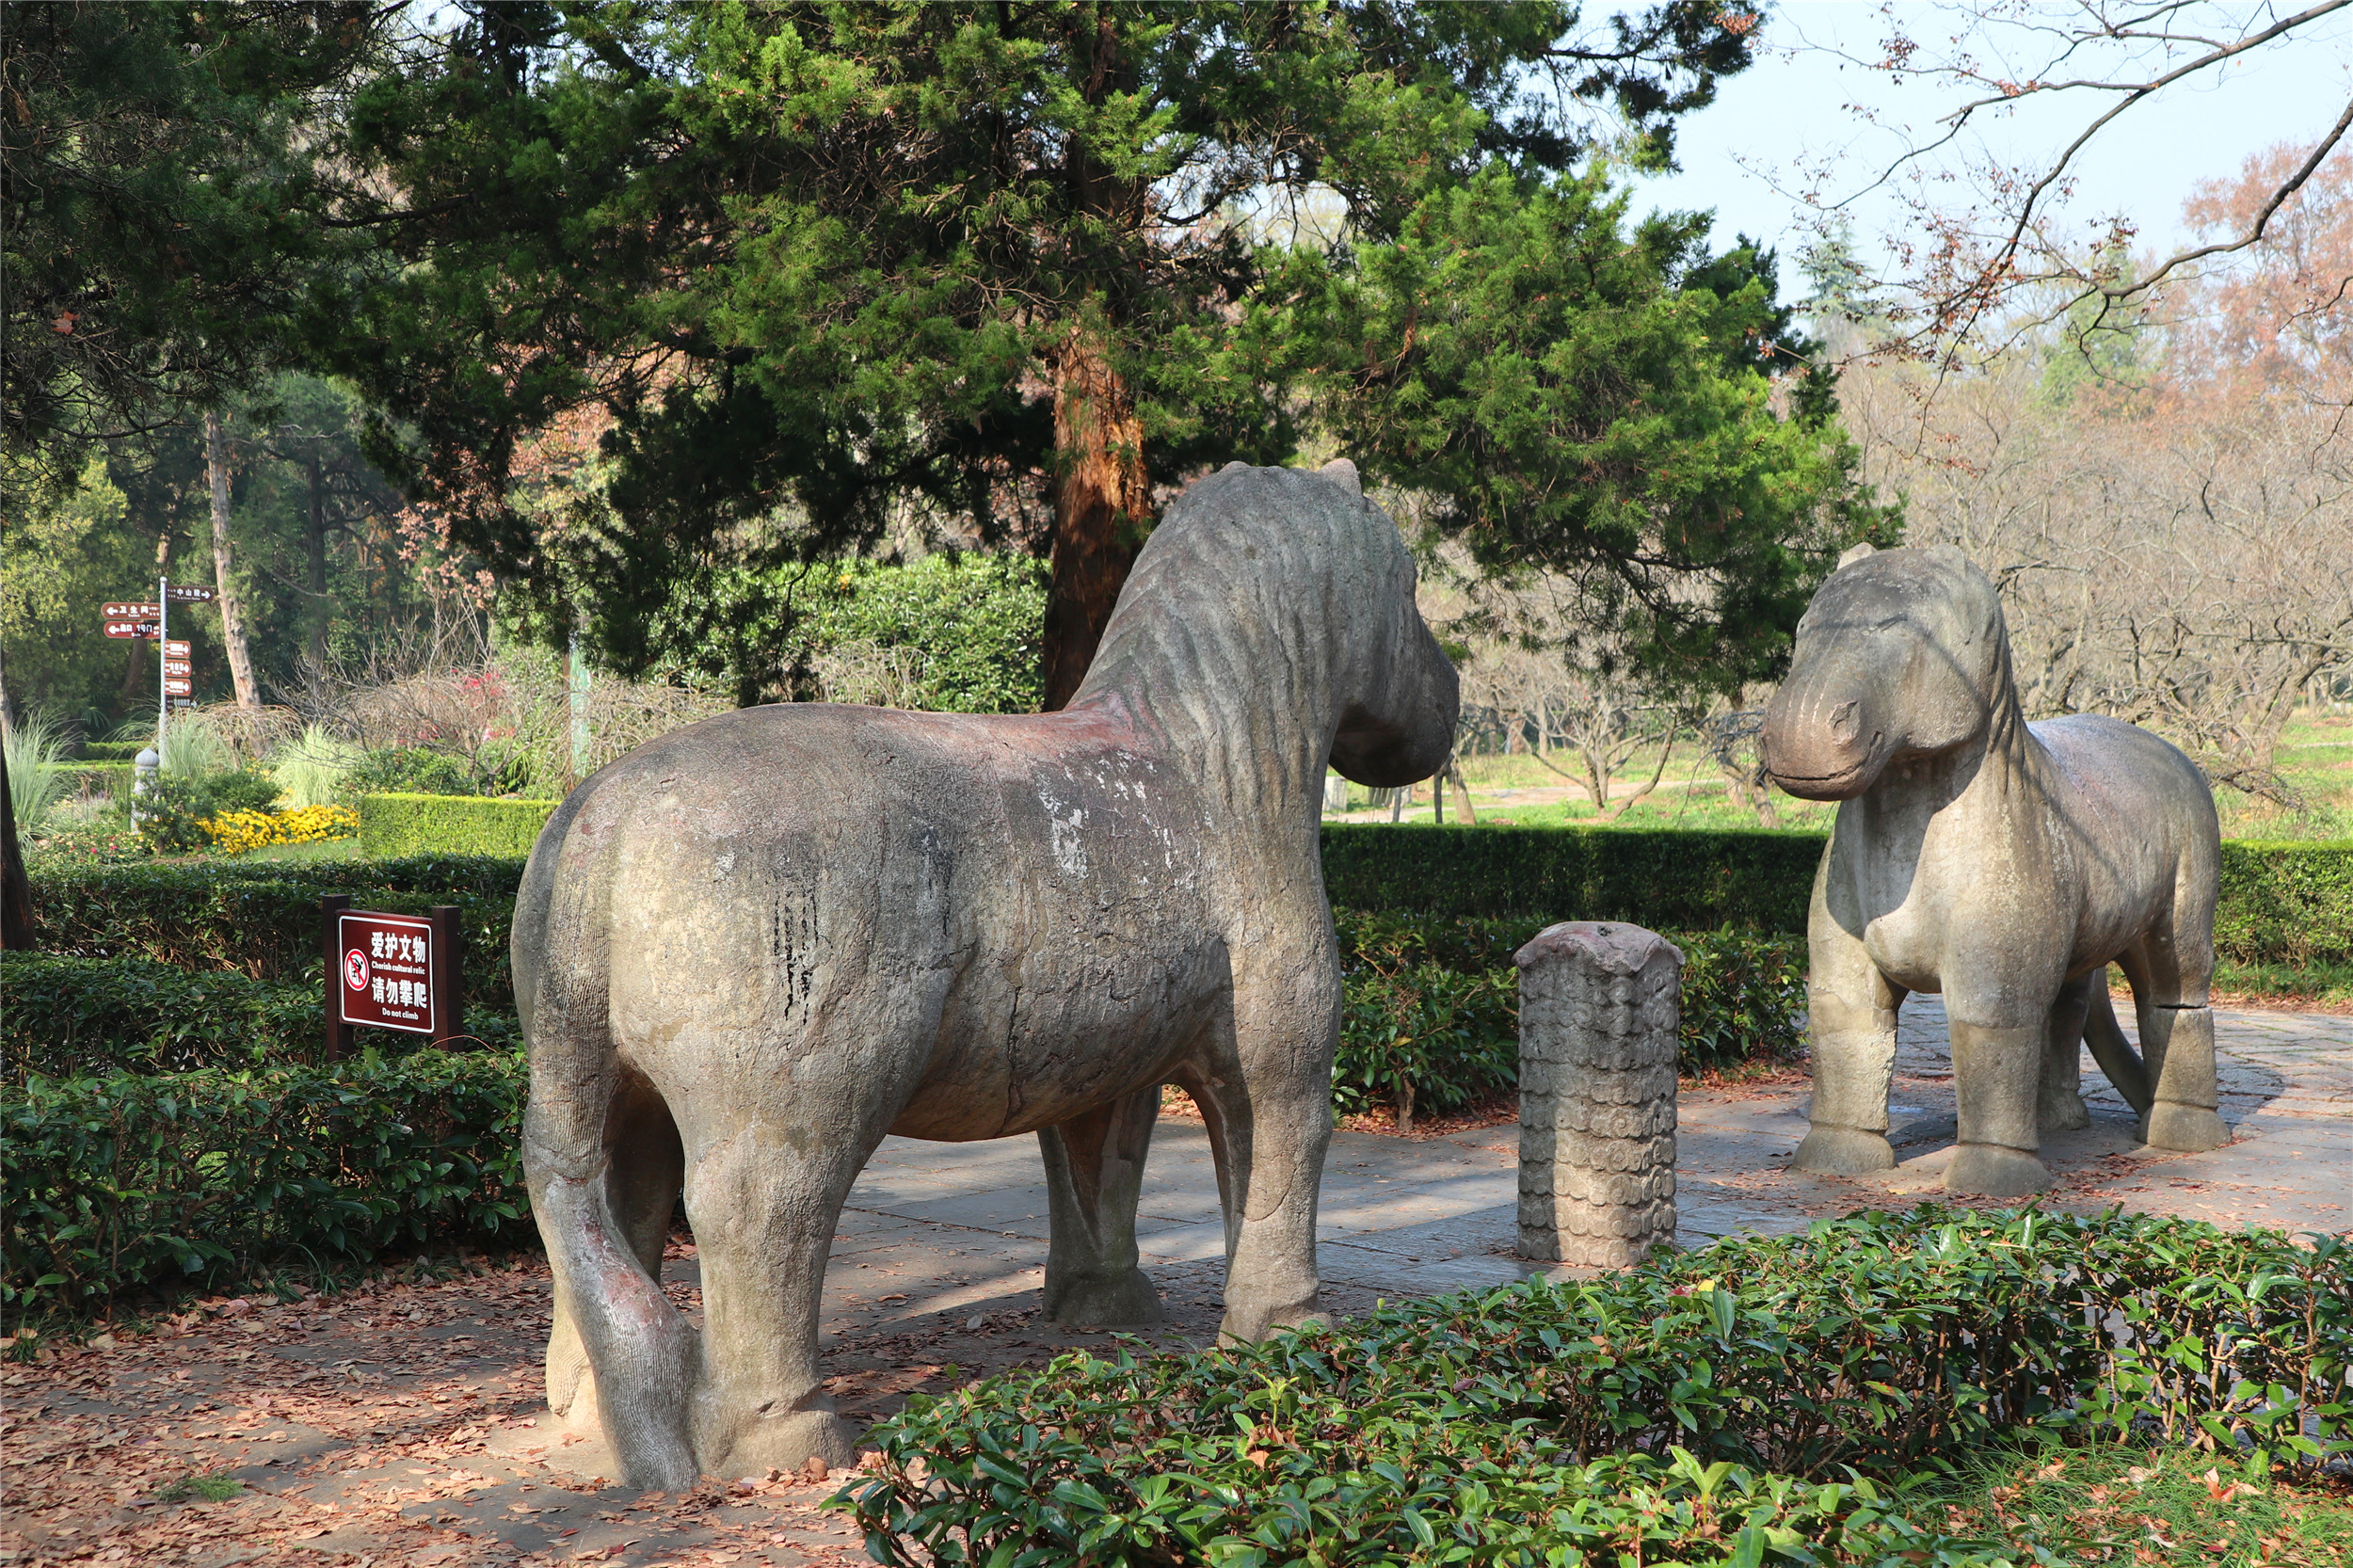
[2002,863]
[746,951]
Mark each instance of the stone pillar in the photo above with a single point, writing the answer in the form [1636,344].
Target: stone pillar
[1599,1003]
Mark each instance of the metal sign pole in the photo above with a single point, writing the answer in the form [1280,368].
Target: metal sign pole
[163,660]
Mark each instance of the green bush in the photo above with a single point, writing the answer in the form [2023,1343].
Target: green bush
[98,778]
[421,771]
[393,825]
[171,814]
[1425,1038]
[1409,1036]
[115,751]
[2285,903]
[1725,1406]
[72,1017]
[263,921]
[128,1184]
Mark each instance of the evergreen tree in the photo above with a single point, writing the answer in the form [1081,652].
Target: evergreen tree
[994,264]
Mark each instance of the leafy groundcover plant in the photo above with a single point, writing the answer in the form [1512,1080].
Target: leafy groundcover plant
[1764,1401]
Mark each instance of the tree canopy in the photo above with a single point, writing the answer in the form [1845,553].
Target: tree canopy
[1017,272]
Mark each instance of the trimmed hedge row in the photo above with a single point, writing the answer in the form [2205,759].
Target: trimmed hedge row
[393,825]
[1719,1389]
[91,1017]
[132,1183]
[1432,1009]
[2285,903]
[263,920]
[2288,903]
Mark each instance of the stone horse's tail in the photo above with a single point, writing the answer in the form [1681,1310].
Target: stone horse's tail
[620,1355]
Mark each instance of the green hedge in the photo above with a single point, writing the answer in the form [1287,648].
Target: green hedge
[114,751]
[98,779]
[93,1017]
[262,919]
[1431,1015]
[1667,881]
[127,1184]
[1687,1411]
[392,825]
[2285,903]
[2281,903]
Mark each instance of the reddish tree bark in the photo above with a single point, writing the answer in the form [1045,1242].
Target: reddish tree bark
[1102,505]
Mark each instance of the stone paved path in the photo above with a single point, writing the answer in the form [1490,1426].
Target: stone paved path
[400,1426]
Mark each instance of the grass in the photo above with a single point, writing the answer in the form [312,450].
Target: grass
[211,1489]
[2315,758]
[2166,1507]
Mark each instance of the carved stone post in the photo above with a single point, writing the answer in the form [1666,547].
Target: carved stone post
[1599,1003]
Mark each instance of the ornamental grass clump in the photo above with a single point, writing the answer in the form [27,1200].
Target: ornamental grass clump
[1780,1387]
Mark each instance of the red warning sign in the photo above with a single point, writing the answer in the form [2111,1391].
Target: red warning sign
[389,970]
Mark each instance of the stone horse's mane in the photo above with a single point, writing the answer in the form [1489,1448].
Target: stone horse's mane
[1247,610]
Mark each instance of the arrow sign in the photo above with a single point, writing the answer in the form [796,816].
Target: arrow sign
[175,649]
[131,628]
[133,611]
[176,666]
[189,596]
[177,688]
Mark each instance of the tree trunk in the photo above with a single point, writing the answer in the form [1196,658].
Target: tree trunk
[317,541]
[1102,503]
[232,614]
[16,891]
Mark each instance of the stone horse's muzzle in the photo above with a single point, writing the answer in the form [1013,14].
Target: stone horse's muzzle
[1822,738]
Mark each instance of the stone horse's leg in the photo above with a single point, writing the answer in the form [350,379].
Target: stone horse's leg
[2170,978]
[765,1181]
[644,1165]
[1265,1091]
[2060,1101]
[1851,1012]
[1094,1179]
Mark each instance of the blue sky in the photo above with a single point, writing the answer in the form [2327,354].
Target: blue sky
[1792,107]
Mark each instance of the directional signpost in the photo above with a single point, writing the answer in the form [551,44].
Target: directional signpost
[150,620]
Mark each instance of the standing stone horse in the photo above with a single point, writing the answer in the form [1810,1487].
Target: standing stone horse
[2003,863]
[748,950]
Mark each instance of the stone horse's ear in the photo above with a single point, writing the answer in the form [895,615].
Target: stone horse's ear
[1343,473]
[1856,553]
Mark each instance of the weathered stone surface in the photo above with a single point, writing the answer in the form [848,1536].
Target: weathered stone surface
[747,951]
[2000,863]
[1598,1015]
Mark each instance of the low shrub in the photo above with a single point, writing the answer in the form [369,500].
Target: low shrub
[263,921]
[115,751]
[411,770]
[393,825]
[2285,903]
[93,1017]
[1432,1013]
[173,813]
[1730,1405]
[234,832]
[98,778]
[1425,1038]
[128,1184]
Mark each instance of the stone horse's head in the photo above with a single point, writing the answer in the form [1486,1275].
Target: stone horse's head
[1902,654]
[1400,697]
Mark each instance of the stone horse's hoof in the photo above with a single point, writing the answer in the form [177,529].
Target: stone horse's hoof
[1844,1151]
[1992,1171]
[2191,1129]
[788,1442]
[1121,1301]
